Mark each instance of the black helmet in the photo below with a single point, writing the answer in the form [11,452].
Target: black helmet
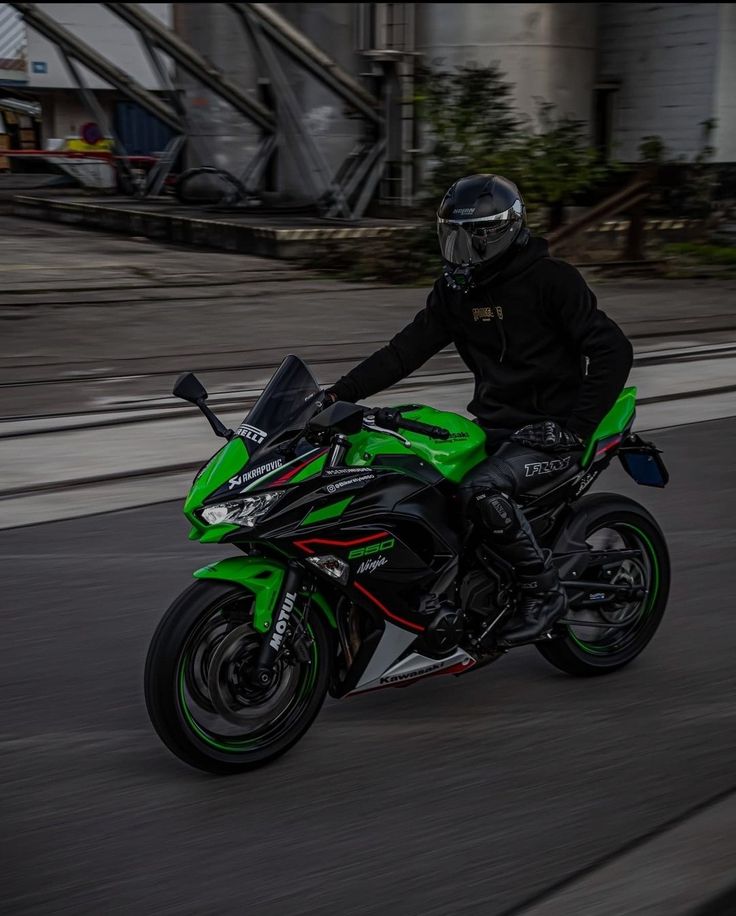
[479,219]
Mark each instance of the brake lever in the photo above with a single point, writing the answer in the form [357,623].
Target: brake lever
[369,422]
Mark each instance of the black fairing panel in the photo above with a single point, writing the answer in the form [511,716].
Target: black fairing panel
[394,536]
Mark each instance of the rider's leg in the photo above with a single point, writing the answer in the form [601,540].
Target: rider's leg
[542,600]
[489,493]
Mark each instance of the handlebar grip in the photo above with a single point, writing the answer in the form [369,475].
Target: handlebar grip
[391,419]
[434,432]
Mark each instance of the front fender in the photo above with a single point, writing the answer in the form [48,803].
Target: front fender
[263,578]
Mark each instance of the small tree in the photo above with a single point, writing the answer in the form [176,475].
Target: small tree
[470,116]
[685,187]
[474,128]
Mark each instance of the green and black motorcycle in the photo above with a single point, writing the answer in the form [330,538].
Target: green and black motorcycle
[343,520]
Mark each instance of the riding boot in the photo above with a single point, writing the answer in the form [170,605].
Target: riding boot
[543,600]
[542,603]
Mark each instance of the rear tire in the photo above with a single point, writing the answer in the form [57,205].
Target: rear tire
[188,643]
[589,651]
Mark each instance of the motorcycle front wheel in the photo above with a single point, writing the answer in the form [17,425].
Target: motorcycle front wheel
[199,696]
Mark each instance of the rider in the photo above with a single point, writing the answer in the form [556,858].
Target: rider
[548,365]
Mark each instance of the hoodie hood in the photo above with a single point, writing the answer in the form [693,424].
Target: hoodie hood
[518,260]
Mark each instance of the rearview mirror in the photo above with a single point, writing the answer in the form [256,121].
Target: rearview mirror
[189,388]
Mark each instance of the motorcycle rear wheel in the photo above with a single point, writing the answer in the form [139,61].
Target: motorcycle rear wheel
[198,695]
[588,650]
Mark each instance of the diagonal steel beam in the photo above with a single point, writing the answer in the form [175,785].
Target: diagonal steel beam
[76,48]
[194,63]
[312,58]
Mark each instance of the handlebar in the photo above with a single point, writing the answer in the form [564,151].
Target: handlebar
[392,419]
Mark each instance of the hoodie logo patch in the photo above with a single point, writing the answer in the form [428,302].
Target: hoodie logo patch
[487,313]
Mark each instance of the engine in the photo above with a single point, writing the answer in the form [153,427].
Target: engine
[444,626]
[479,593]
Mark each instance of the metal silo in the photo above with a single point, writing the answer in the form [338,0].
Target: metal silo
[547,50]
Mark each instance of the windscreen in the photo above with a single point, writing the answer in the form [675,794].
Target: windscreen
[286,403]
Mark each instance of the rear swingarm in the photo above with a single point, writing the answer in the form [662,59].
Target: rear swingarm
[584,594]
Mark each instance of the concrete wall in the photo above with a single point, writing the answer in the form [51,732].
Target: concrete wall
[99,28]
[547,50]
[64,113]
[724,108]
[665,56]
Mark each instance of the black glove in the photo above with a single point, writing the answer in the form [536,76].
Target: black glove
[548,436]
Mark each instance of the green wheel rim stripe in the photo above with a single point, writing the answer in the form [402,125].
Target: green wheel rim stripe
[236,746]
[592,650]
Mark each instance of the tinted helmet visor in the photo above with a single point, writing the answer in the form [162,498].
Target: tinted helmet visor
[478,241]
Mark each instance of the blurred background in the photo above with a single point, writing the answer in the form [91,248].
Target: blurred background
[210,186]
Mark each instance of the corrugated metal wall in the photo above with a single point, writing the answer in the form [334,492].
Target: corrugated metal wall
[141,134]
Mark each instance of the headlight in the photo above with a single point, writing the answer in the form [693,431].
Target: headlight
[245,512]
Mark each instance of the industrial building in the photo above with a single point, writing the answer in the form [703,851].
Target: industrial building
[627,70]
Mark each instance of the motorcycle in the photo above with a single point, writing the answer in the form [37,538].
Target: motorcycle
[357,572]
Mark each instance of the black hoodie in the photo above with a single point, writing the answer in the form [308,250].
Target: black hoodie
[532,336]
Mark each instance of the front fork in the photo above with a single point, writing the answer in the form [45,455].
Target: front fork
[282,629]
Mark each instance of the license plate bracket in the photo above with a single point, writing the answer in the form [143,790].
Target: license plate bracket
[643,462]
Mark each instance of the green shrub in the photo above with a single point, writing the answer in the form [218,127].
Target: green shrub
[473,127]
[703,253]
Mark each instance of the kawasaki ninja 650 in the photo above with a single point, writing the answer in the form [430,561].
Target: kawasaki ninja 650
[355,572]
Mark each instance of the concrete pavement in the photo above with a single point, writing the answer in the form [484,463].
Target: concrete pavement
[453,798]
[44,471]
[514,788]
[96,327]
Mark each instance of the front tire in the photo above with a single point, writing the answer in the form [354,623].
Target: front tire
[613,521]
[198,696]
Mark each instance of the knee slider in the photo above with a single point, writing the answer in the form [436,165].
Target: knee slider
[499,515]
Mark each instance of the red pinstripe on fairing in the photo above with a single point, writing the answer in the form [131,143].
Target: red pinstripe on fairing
[329,542]
[302,545]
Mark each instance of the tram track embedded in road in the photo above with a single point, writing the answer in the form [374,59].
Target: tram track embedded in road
[649,358]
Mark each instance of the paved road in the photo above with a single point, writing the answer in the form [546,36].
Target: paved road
[130,314]
[455,797]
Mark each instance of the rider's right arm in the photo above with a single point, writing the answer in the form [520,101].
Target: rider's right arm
[426,335]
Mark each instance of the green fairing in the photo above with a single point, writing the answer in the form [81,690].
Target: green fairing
[453,457]
[263,578]
[229,461]
[213,534]
[334,510]
[617,419]
[314,467]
